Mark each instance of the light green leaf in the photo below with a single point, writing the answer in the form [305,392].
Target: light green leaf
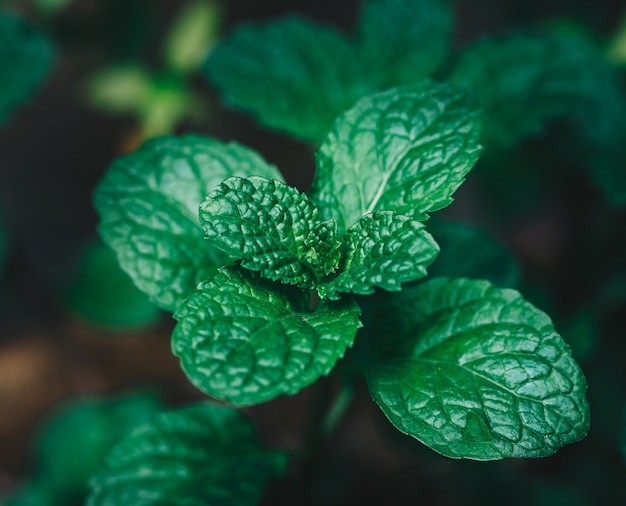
[384,249]
[405,40]
[292,74]
[522,81]
[193,456]
[272,228]
[119,89]
[249,340]
[148,204]
[26,58]
[469,252]
[405,150]
[475,371]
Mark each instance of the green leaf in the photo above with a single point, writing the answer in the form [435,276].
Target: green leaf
[469,252]
[26,58]
[522,81]
[249,340]
[148,205]
[73,444]
[272,228]
[119,89]
[405,40]
[474,371]
[405,150]
[384,249]
[197,455]
[303,74]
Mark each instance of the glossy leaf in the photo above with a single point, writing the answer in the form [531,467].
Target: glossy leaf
[405,40]
[405,150]
[384,250]
[272,228]
[469,252]
[522,81]
[249,340]
[197,455]
[475,371]
[26,58]
[148,204]
[292,74]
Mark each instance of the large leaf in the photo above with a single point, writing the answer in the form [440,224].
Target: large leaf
[148,204]
[384,250]
[196,455]
[405,40]
[405,150]
[475,371]
[293,75]
[248,340]
[272,228]
[522,81]
[26,58]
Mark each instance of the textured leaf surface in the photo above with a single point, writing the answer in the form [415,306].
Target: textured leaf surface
[293,75]
[148,204]
[384,249]
[522,81]
[248,340]
[26,58]
[476,372]
[469,252]
[196,455]
[405,150]
[74,442]
[272,228]
[405,40]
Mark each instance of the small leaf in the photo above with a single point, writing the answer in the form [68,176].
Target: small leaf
[26,58]
[469,252]
[119,89]
[148,204]
[405,40]
[522,81]
[475,371]
[405,150]
[193,456]
[272,228]
[384,249]
[249,340]
[304,75]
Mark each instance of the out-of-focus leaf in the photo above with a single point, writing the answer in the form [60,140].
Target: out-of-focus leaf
[119,89]
[194,456]
[26,58]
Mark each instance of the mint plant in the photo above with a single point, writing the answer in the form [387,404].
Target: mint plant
[271,287]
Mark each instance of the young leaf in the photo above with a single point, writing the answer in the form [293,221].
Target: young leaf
[522,81]
[249,340]
[405,40]
[197,455]
[468,252]
[475,371]
[148,204]
[383,249]
[272,228]
[304,75]
[26,58]
[405,150]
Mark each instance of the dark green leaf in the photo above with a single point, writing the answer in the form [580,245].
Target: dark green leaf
[475,371]
[468,252]
[26,58]
[405,40]
[272,228]
[248,340]
[197,455]
[405,150]
[523,81]
[384,249]
[293,75]
[148,204]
